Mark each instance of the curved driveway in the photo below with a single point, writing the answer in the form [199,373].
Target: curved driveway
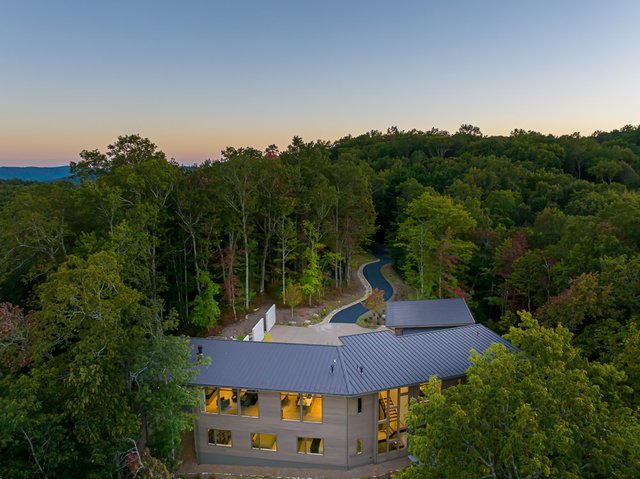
[373,274]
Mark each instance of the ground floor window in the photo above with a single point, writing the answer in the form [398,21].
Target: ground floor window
[310,445]
[263,441]
[219,437]
[359,446]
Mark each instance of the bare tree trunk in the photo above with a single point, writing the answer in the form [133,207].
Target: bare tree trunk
[33,453]
[186,285]
[195,260]
[284,285]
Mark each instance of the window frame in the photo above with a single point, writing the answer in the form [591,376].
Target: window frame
[215,437]
[260,448]
[234,391]
[300,416]
[306,451]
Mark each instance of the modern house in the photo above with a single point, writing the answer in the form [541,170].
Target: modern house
[407,317]
[284,404]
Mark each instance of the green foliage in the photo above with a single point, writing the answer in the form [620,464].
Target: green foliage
[433,236]
[523,414]
[294,296]
[100,362]
[528,221]
[204,308]
[311,279]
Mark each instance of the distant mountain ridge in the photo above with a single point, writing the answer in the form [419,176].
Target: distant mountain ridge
[34,173]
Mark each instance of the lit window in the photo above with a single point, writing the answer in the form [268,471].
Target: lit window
[311,407]
[219,437]
[263,441]
[210,401]
[289,403]
[231,401]
[249,403]
[301,407]
[310,445]
[359,446]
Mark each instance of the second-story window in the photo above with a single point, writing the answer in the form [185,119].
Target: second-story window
[231,401]
[301,407]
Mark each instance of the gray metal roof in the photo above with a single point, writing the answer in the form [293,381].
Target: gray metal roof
[387,361]
[428,313]
[271,366]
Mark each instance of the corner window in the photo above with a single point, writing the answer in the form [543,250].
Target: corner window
[219,437]
[311,445]
[266,442]
[301,407]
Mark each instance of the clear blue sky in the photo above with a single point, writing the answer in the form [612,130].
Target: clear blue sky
[196,76]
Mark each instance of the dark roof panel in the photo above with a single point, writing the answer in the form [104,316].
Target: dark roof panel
[272,366]
[428,313]
[386,361]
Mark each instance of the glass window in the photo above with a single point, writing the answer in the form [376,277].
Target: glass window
[249,403]
[297,407]
[359,446]
[219,437]
[263,441]
[229,401]
[392,411]
[310,445]
[211,400]
[359,405]
[382,437]
[289,403]
[311,407]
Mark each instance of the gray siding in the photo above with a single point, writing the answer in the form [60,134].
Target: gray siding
[333,430]
[361,426]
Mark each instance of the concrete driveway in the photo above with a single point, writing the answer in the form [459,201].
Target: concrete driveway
[321,333]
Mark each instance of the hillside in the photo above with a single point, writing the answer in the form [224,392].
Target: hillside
[34,173]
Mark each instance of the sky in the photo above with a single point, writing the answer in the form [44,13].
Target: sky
[198,76]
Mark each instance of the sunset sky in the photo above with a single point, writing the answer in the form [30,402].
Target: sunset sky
[196,76]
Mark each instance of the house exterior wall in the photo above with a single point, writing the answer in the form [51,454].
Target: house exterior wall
[333,430]
[342,425]
[361,426]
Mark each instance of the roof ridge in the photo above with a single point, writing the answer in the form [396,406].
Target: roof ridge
[349,388]
[266,342]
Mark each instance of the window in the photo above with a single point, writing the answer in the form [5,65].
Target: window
[266,442]
[301,407]
[310,445]
[359,405]
[231,401]
[249,403]
[393,407]
[359,446]
[210,401]
[219,437]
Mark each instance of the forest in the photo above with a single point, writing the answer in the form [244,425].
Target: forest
[103,277]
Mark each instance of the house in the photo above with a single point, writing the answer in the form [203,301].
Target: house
[407,317]
[301,405]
